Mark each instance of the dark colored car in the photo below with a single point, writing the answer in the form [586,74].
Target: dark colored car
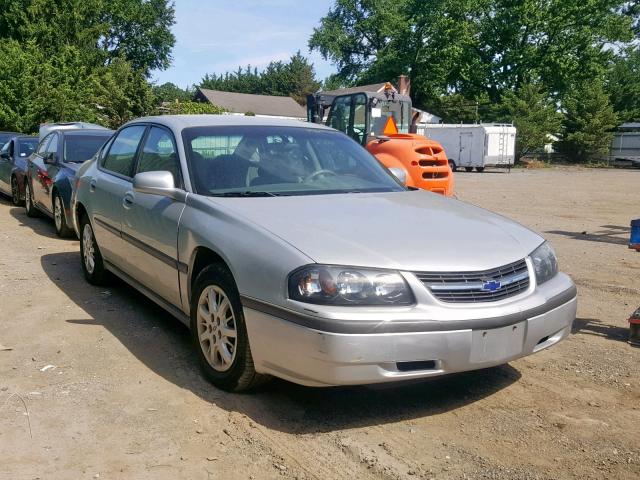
[6,136]
[13,166]
[51,170]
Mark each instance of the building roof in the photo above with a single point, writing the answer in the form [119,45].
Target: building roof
[374,87]
[258,104]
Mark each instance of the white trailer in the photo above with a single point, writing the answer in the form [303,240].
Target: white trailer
[625,146]
[474,146]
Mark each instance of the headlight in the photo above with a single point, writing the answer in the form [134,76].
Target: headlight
[545,262]
[331,285]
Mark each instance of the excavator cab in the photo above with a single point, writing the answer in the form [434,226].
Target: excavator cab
[381,122]
[361,115]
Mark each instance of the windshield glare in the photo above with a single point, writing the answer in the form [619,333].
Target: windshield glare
[78,148]
[281,161]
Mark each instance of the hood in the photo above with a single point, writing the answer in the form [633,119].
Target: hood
[411,231]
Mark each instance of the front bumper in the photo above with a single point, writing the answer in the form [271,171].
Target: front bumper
[313,357]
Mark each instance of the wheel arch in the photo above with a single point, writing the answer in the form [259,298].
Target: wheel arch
[202,257]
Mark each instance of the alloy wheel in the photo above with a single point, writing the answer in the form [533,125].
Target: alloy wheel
[217,328]
[88,250]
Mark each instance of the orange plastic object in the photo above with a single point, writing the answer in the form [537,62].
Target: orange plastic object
[424,160]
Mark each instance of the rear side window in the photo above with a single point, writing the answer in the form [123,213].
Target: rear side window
[78,148]
[159,154]
[123,151]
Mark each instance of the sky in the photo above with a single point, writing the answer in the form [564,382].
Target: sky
[215,36]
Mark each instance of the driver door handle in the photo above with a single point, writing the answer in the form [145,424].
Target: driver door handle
[92,185]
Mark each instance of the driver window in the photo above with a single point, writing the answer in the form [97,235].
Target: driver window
[359,118]
[43,144]
[52,147]
[159,154]
[340,114]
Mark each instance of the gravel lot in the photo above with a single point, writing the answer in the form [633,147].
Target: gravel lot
[113,392]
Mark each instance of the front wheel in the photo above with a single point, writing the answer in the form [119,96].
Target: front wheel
[62,229]
[479,169]
[468,169]
[219,333]
[15,192]
[28,201]
[92,264]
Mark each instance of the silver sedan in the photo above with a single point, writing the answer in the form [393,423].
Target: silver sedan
[290,251]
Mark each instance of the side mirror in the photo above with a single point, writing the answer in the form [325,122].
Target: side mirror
[158,183]
[50,159]
[5,155]
[400,174]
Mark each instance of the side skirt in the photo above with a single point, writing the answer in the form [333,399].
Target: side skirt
[179,314]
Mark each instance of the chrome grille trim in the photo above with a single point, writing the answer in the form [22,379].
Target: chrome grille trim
[467,287]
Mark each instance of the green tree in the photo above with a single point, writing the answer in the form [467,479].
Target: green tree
[589,122]
[623,85]
[295,78]
[190,108]
[120,94]
[535,115]
[169,92]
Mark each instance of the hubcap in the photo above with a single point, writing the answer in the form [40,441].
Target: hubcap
[217,328]
[88,251]
[57,212]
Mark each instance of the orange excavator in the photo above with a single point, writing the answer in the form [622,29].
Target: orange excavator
[381,122]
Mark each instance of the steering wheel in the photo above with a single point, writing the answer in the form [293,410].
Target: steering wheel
[317,173]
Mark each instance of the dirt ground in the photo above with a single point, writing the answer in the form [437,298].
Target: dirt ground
[113,392]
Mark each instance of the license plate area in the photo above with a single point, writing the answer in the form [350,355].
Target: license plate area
[497,343]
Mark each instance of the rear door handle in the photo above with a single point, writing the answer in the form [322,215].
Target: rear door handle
[92,185]
[127,201]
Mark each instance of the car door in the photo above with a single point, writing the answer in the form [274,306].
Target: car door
[150,222]
[6,165]
[46,167]
[107,191]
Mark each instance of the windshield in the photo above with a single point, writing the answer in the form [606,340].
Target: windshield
[271,160]
[78,148]
[26,146]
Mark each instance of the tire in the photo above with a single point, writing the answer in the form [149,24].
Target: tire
[479,169]
[453,166]
[15,192]
[90,256]
[468,169]
[28,201]
[59,219]
[224,359]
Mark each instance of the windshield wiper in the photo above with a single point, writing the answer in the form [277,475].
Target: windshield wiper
[244,194]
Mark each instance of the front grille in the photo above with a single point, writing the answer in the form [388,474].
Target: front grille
[480,286]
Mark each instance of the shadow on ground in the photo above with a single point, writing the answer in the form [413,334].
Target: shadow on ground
[41,225]
[591,326]
[162,343]
[608,234]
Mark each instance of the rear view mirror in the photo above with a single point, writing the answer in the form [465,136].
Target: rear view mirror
[50,159]
[157,183]
[400,174]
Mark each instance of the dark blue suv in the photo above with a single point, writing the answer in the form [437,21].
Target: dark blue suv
[51,170]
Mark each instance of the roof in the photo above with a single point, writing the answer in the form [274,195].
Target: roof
[258,104]
[374,87]
[179,122]
[102,132]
